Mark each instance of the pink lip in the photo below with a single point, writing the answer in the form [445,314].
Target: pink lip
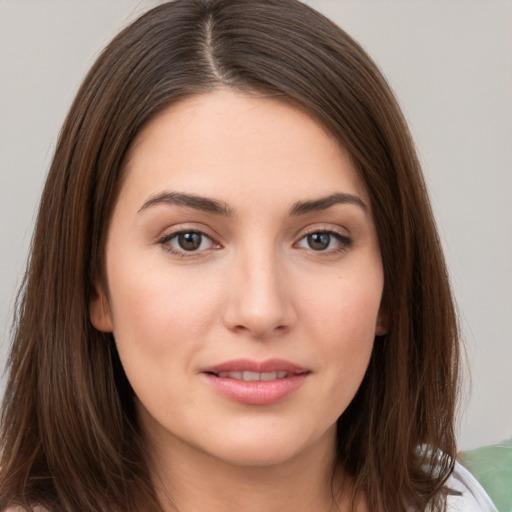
[248,365]
[256,392]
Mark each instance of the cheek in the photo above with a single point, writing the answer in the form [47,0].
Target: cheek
[160,324]
[155,312]
[346,306]
[342,321]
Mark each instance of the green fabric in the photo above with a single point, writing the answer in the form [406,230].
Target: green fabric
[492,467]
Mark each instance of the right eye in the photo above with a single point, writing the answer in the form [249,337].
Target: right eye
[189,241]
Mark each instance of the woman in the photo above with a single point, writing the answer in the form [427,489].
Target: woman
[236,295]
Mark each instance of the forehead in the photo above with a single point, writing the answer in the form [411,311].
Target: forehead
[225,142]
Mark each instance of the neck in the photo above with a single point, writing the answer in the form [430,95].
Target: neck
[188,480]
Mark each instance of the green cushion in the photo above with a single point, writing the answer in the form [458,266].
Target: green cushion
[492,467]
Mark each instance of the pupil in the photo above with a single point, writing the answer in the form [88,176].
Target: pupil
[189,241]
[319,241]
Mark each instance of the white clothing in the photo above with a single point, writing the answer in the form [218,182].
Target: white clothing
[472,497]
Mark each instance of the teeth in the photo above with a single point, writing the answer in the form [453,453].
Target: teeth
[253,376]
[250,376]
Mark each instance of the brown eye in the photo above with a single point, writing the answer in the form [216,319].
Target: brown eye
[318,241]
[324,241]
[183,242]
[189,241]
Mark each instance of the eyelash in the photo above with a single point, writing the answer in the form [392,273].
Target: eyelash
[183,253]
[342,239]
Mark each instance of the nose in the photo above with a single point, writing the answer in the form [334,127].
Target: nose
[260,300]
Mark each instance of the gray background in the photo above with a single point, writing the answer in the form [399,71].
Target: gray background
[450,64]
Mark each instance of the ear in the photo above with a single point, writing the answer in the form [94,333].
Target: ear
[99,309]
[382,325]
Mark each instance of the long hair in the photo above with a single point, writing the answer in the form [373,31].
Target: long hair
[70,439]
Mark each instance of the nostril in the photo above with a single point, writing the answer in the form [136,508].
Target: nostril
[259,307]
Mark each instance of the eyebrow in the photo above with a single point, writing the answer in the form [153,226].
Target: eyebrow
[209,205]
[204,204]
[323,203]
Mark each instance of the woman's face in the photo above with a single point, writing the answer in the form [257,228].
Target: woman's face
[244,279]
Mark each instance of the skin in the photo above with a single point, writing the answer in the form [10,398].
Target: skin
[255,289]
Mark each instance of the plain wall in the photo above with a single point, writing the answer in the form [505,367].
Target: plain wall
[450,64]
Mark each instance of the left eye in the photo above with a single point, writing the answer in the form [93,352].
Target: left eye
[188,241]
[323,241]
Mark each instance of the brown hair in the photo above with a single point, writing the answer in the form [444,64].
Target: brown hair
[69,435]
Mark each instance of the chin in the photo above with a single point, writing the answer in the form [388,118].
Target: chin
[270,447]
[258,454]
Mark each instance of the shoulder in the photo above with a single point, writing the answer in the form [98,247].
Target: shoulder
[468,495]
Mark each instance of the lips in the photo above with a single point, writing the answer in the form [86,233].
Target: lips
[256,383]
[254,376]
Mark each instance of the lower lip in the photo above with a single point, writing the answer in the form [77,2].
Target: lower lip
[261,392]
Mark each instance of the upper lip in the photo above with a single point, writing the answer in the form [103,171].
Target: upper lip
[248,365]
